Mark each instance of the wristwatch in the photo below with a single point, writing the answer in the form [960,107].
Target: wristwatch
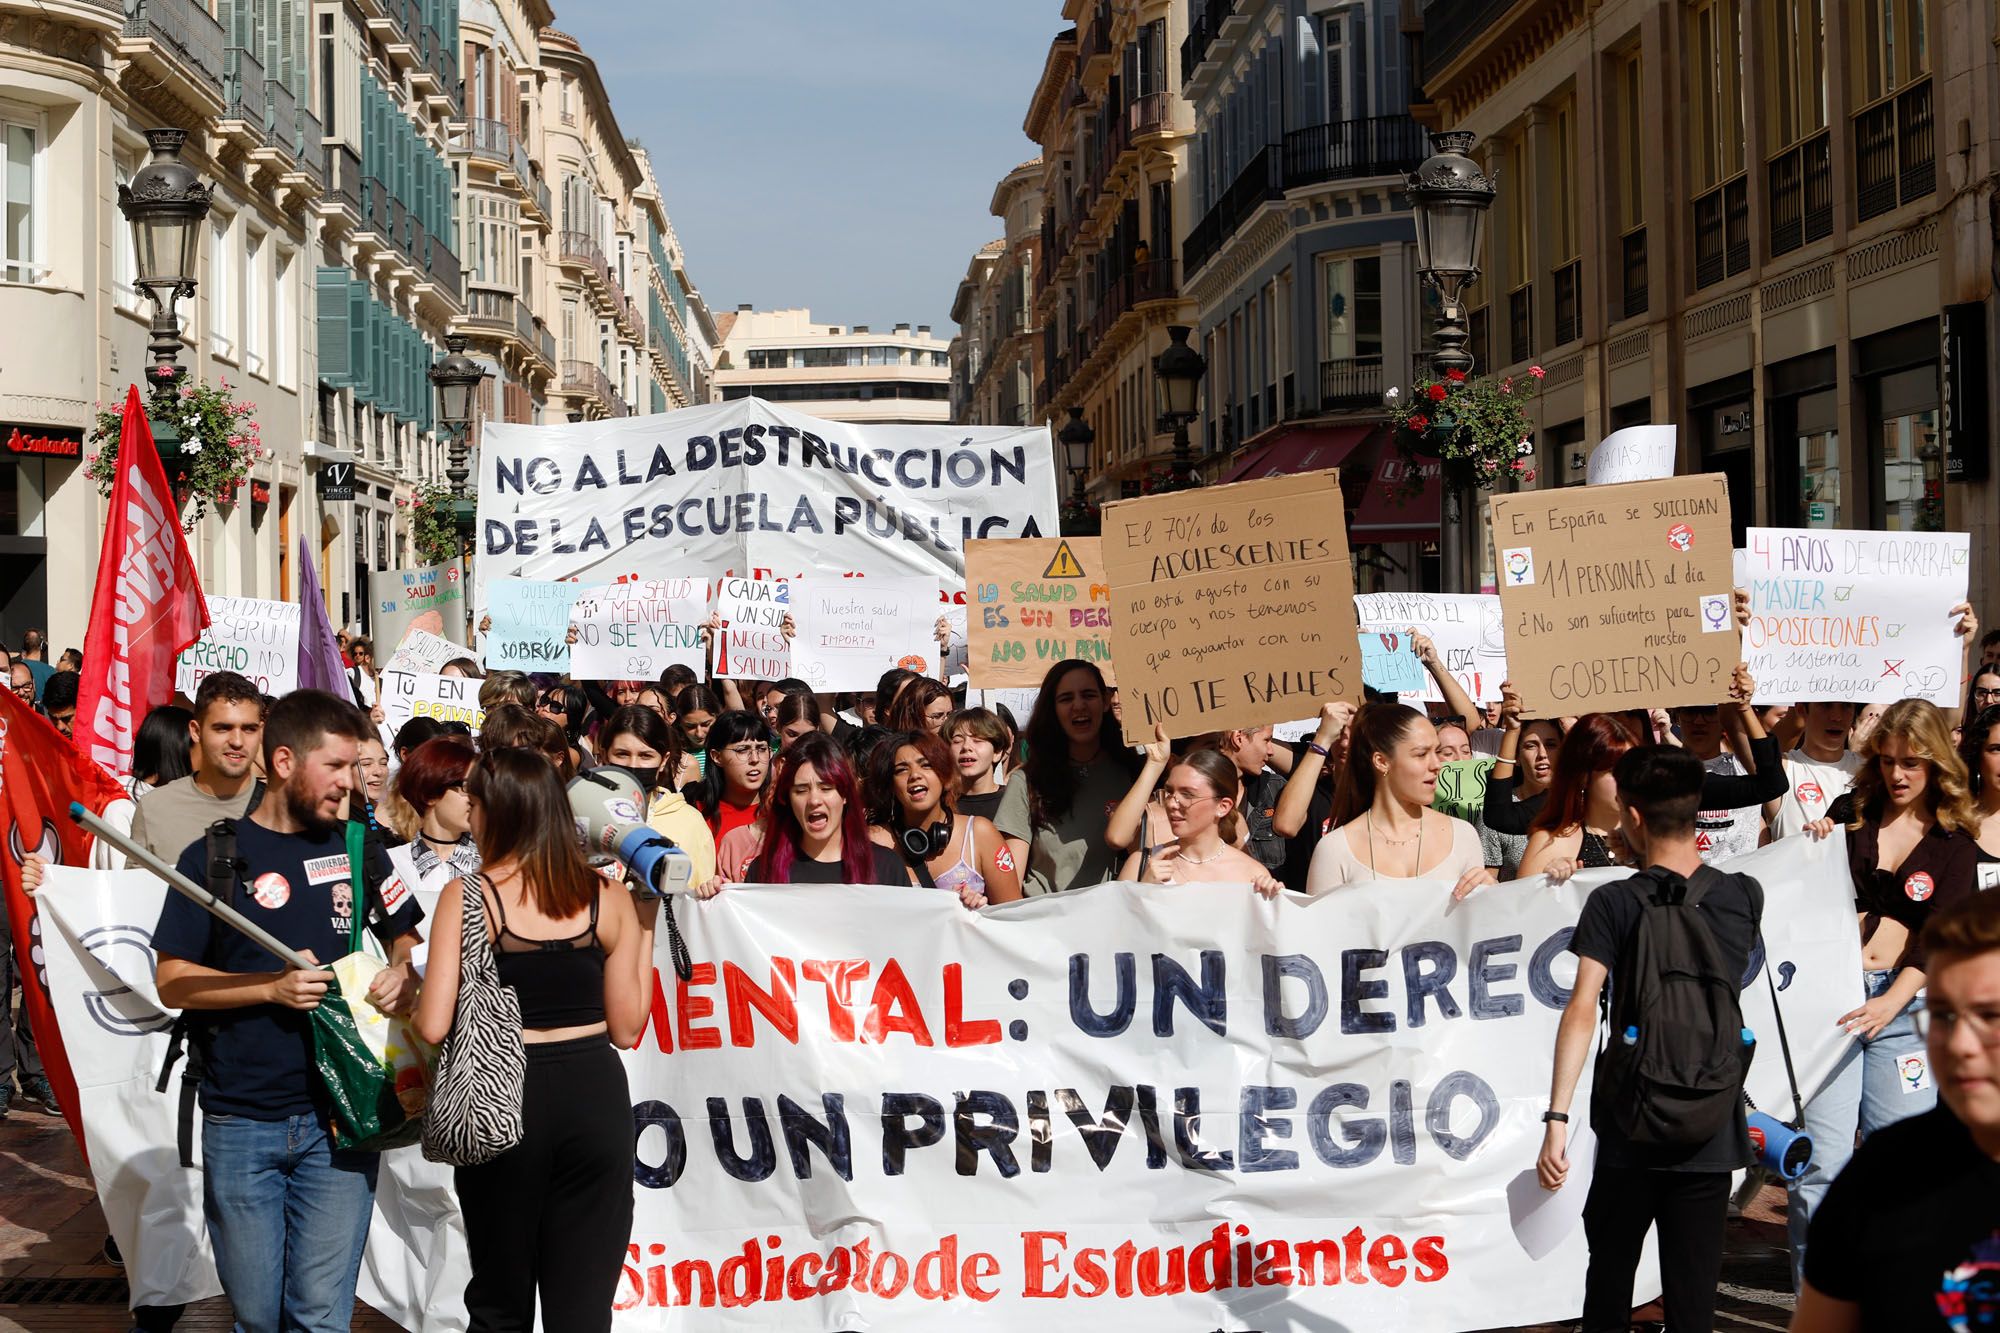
[1560,1117]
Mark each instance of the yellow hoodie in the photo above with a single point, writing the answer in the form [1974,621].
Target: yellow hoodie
[673,817]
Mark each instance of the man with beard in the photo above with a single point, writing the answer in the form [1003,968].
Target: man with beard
[287,1211]
[228,728]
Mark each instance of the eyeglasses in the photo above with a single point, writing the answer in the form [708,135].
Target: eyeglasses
[748,750]
[1184,799]
[1985,1026]
[26,690]
[1986,694]
[550,705]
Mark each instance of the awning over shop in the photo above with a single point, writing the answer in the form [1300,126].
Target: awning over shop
[1300,449]
[1385,515]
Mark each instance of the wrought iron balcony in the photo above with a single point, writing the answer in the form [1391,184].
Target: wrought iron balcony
[187,32]
[1354,150]
[1722,232]
[1895,151]
[1801,194]
[1633,274]
[1350,382]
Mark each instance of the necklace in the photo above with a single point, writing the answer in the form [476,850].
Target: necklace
[1396,842]
[1194,860]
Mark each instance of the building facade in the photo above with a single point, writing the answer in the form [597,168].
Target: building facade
[1763,221]
[1113,129]
[996,355]
[842,373]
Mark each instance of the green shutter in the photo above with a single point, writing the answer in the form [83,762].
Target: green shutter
[336,364]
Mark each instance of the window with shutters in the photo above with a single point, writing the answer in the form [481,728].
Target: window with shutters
[256,305]
[21,138]
[223,291]
[284,310]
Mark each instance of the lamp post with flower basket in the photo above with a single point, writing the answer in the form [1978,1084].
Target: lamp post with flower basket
[457,378]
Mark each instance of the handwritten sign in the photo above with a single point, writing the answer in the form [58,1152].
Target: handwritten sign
[257,639]
[530,624]
[1035,602]
[1389,662]
[753,603]
[1617,597]
[429,597]
[1231,606]
[1465,627]
[447,698]
[635,631]
[1861,616]
[423,652]
[1461,788]
[752,653]
[1636,453]
[852,630]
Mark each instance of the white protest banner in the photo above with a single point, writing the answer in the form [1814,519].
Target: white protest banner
[1636,453]
[852,630]
[754,489]
[423,652]
[872,1077]
[429,597]
[753,603]
[752,654]
[530,625]
[1863,616]
[634,631]
[257,639]
[1465,627]
[447,698]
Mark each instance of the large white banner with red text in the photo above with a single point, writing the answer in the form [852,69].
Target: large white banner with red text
[1127,1108]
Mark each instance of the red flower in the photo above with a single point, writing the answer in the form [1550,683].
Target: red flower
[1455,376]
[1537,372]
[1437,392]
[1418,422]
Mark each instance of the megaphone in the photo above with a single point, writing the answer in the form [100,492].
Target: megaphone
[609,804]
[1783,1151]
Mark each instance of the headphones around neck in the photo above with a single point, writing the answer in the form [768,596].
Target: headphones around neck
[925,844]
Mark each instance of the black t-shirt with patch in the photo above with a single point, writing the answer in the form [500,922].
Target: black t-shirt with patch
[298,887]
[1910,1231]
[1260,803]
[1734,908]
[889,868]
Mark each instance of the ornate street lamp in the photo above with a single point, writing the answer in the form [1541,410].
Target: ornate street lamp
[1178,371]
[1449,196]
[456,379]
[1077,437]
[166,204]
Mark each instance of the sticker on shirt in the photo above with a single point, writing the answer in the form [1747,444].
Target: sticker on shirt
[1969,1295]
[1987,876]
[1811,794]
[1915,1072]
[1004,860]
[271,890]
[394,894]
[343,902]
[327,869]
[1919,887]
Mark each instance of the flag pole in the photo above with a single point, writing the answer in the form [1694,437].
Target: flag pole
[180,883]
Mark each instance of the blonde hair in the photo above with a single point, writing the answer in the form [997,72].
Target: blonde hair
[1948,792]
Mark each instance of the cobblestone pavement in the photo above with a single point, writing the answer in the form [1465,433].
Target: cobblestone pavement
[52,1236]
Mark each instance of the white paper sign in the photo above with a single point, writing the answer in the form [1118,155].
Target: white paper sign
[752,654]
[753,603]
[423,652]
[1861,616]
[257,639]
[1636,453]
[635,631]
[852,630]
[447,698]
[1466,627]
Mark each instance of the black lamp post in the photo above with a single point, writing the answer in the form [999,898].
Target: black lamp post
[457,378]
[1178,371]
[1077,437]
[166,204]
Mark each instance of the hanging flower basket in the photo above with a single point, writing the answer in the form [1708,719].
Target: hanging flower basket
[432,531]
[219,441]
[1476,428]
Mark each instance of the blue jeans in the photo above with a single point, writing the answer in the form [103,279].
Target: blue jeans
[1869,1089]
[287,1215]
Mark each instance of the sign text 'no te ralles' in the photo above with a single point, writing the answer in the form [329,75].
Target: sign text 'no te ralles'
[1232,606]
[1618,596]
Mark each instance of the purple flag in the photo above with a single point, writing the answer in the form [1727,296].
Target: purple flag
[320,667]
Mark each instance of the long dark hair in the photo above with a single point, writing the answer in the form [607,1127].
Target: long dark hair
[1377,729]
[163,751]
[1592,746]
[1052,777]
[651,730]
[1971,702]
[907,713]
[883,807]
[575,706]
[525,816]
[784,843]
[1972,740]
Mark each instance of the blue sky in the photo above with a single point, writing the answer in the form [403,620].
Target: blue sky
[833,155]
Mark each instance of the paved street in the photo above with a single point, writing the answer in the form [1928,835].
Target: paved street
[54,1279]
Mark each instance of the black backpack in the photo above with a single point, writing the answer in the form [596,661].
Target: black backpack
[1671,1074]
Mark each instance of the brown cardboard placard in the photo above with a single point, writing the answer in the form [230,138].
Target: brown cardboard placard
[1232,606]
[1618,596]
[1033,602]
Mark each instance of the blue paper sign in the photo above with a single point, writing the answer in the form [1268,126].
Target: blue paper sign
[1389,662]
[530,628]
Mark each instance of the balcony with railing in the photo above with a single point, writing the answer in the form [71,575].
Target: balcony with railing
[1634,297]
[1566,281]
[1521,323]
[243,106]
[343,179]
[1096,44]
[1151,113]
[1722,232]
[1801,194]
[587,379]
[1350,382]
[1152,280]
[1257,184]
[179,42]
[311,151]
[282,116]
[1353,150]
[1204,25]
[1895,151]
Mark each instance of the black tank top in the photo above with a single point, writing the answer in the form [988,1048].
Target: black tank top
[560,982]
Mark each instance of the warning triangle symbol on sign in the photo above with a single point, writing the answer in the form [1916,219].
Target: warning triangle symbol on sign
[1064,566]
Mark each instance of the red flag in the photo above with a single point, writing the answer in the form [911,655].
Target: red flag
[40,774]
[148,604]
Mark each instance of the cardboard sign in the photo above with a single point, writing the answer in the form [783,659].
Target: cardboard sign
[1636,453]
[430,597]
[1232,606]
[1617,596]
[852,630]
[530,624]
[1861,616]
[635,631]
[1035,603]
[257,639]
[447,698]
[1464,627]
[1389,662]
[751,653]
[423,652]
[753,603]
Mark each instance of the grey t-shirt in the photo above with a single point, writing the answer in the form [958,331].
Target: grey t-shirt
[172,818]
[1071,852]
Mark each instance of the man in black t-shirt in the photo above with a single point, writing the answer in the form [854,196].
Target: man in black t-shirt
[1908,1237]
[287,1211]
[1685,1190]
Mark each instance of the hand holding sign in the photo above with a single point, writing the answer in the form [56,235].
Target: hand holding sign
[635,631]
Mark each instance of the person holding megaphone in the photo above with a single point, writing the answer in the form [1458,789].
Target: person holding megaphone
[638,740]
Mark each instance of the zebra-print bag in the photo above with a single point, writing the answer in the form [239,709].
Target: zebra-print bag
[475,1110]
